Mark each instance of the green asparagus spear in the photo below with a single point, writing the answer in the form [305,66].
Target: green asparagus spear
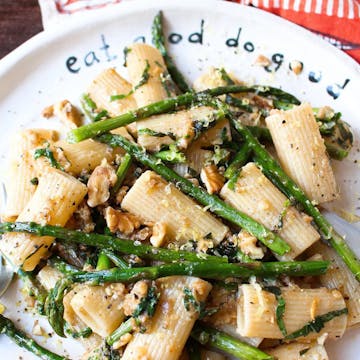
[158,40]
[222,341]
[238,161]
[168,105]
[117,260]
[8,328]
[126,327]
[54,306]
[204,269]
[277,175]
[121,173]
[107,242]
[103,262]
[62,266]
[215,204]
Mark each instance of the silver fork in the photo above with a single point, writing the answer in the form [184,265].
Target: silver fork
[6,271]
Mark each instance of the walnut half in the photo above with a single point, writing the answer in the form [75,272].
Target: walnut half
[121,221]
[100,181]
[212,179]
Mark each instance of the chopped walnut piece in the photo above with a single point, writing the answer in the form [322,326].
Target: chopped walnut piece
[121,194]
[247,244]
[48,112]
[133,299]
[100,181]
[121,221]
[262,60]
[212,179]
[68,114]
[159,234]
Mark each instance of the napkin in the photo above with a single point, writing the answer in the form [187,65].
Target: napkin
[337,21]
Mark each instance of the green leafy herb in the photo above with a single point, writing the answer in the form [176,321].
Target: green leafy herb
[46,152]
[303,351]
[143,80]
[35,181]
[88,103]
[317,324]
[191,303]
[280,308]
[167,83]
[280,223]
[150,132]
[148,303]
[126,52]
[220,155]
[225,76]
[103,114]
[144,76]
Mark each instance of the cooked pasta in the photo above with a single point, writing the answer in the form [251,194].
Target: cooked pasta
[302,152]
[163,229]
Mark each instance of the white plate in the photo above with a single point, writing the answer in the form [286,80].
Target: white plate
[207,33]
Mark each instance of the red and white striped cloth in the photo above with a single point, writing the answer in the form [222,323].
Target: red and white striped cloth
[337,21]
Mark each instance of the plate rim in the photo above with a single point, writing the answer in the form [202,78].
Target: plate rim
[75,22]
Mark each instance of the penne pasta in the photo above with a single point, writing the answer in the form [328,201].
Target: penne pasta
[54,201]
[155,200]
[172,322]
[256,312]
[302,152]
[257,197]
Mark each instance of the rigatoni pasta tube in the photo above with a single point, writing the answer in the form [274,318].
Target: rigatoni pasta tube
[54,201]
[302,151]
[298,351]
[225,318]
[257,197]
[99,307]
[179,125]
[256,313]
[107,84]
[86,155]
[172,322]
[340,277]
[154,199]
[22,170]
[148,74]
